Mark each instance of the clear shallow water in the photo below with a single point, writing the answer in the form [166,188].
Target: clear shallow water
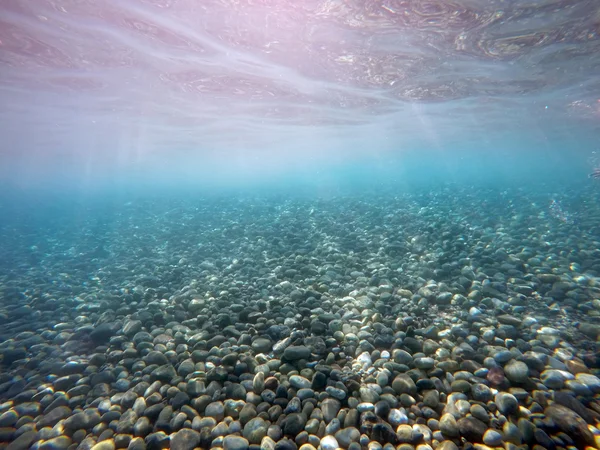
[240,91]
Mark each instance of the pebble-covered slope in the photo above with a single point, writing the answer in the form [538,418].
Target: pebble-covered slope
[453,319]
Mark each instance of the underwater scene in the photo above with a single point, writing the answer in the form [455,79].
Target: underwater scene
[299,225]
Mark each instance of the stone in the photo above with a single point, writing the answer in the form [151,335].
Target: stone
[215,410]
[299,382]
[329,443]
[293,424]
[255,430]
[571,423]
[346,436]
[235,443]
[472,429]
[108,444]
[492,438]
[449,426]
[517,371]
[295,352]
[262,345]
[330,408]
[507,403]
[403,384]
[185,439]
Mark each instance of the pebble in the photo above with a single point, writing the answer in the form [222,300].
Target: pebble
[517,371]
[507,403]
[492,438]
[235,443]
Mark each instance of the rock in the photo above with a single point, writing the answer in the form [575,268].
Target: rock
[155,357]
[235,443]
[507,403]
[164,373]
[402,357]
[403,384]
[185,439]
[299,382]
[103,332]
[262,345]
[471,429]
[23,442]
[329,443]
[52,418]
[517,371]
[592,382]
[215,410]
[293,424]
[8,419]
[82,421]
[481,393]
[346,436]
[330,408]
[424,363]
[404,434]
[108,444]
[449,426]
[571,423]
[255,430]
[492,438]
[295,352]
[555,379]
[63,443]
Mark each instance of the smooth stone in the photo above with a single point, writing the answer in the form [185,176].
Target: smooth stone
[424,363]
[293,424]
[108,444]
[592,382]
[397,417]
[492,438]
[295,352]
[517,371]
[329,443]
[404,434]
[63,443]
[346,436]
[262,345]
[185,439]
[471,429]
[555,378]
[449,426]
[368,395]
[235,443]
[503,356]
[447,445]
[571,423]
[255,430]
[300,382]
[404,384]
[507,403]
[215,410]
